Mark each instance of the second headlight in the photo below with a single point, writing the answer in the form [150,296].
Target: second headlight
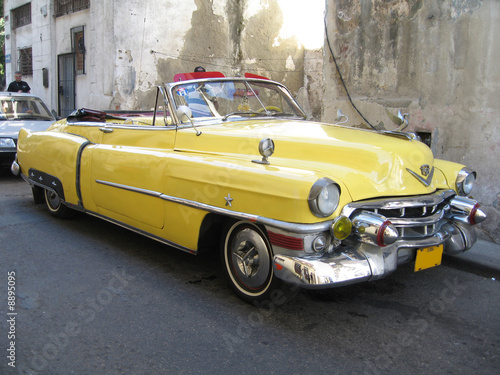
[324,197]
[465,181]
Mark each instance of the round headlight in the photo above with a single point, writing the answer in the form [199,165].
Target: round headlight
[465,181]
[324,197]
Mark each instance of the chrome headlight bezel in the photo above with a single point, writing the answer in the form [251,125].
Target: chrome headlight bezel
[324,197]
[465,181]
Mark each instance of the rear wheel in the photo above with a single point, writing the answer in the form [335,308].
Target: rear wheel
[56,206]
[248,261]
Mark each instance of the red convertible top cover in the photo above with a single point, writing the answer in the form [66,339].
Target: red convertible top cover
[197,75]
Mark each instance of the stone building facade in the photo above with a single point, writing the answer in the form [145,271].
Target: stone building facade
[111,54]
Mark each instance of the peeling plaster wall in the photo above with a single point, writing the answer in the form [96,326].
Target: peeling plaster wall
[437,61]
[134,45]
[161,38]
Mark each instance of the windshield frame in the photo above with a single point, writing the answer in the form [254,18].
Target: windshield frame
[249,83]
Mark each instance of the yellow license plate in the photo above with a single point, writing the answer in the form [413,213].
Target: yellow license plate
[428,257]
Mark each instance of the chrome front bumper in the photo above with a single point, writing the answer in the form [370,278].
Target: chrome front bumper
[365,262]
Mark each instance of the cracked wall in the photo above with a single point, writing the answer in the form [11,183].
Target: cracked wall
[437,61]
[231,36]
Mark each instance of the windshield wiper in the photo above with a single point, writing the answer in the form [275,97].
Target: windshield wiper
[287,114]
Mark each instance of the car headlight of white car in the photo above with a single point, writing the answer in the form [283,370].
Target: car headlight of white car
[7,142]
[324,197]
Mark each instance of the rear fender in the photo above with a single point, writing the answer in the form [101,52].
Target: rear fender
[54,167]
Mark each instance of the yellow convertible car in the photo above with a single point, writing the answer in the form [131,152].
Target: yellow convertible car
[233,164]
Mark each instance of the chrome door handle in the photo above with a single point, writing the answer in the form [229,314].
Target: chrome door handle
[106,130]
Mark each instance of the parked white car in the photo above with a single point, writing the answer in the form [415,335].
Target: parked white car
[18,110]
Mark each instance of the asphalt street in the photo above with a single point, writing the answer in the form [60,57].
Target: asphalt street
[94,298]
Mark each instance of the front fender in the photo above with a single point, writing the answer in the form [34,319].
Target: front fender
[270,191]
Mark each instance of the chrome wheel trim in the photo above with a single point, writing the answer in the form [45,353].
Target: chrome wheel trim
[248,259]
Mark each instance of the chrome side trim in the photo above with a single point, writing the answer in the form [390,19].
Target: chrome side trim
[141,232]
[78,171]
[284,225]
[130,188]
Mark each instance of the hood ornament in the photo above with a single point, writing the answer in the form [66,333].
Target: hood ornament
[426,171]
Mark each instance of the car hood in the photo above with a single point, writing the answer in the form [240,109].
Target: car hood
[368,163]
[10,128]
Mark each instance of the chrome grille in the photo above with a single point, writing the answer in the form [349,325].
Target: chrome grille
[414,217]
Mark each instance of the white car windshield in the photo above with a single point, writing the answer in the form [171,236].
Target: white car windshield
[23,108]
[224,99]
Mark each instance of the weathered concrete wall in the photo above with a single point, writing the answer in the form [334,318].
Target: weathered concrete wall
[133,45]
[232,36]
[437,61]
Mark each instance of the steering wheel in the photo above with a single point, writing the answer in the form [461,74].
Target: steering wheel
[270,108]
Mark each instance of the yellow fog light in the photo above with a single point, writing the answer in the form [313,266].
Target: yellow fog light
[341,227]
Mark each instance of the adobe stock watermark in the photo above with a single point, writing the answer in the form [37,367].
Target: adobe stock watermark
[221,177]
[256,318]
[57,343]
[418,323]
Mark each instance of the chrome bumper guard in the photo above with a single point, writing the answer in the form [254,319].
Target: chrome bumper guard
[366,262]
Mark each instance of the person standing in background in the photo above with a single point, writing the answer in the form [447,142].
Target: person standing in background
[19,85]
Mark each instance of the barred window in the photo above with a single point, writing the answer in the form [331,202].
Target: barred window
[62,7]
[78,47]
[26,61]
[21,16]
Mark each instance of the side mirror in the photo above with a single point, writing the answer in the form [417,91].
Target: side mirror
[184,113]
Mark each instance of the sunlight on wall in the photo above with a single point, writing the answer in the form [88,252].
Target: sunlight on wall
[304,20]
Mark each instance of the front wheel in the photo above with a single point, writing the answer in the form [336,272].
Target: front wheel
[248,261]
[56,207]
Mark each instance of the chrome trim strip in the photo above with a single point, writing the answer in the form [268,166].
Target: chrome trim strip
[419,221]
[130,188]
[425,181]
[78,171]
[141,232]
[395,203]
[284,225]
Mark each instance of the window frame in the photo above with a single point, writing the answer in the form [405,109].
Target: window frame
[25,61]
[63,7]
[21,16]
[78,48]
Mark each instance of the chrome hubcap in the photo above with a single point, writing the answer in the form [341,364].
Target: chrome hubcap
[250,258]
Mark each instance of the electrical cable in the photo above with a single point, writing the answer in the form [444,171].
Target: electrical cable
[341,78]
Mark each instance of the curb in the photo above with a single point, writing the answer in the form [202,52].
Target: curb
[483,259]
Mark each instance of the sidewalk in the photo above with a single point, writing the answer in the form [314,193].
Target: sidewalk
[484,257]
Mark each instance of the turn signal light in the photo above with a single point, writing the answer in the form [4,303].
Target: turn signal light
[341,227]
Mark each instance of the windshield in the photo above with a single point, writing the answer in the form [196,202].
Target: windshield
[21,108]
[224,99]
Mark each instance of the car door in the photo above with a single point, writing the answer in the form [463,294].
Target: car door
[128,173]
